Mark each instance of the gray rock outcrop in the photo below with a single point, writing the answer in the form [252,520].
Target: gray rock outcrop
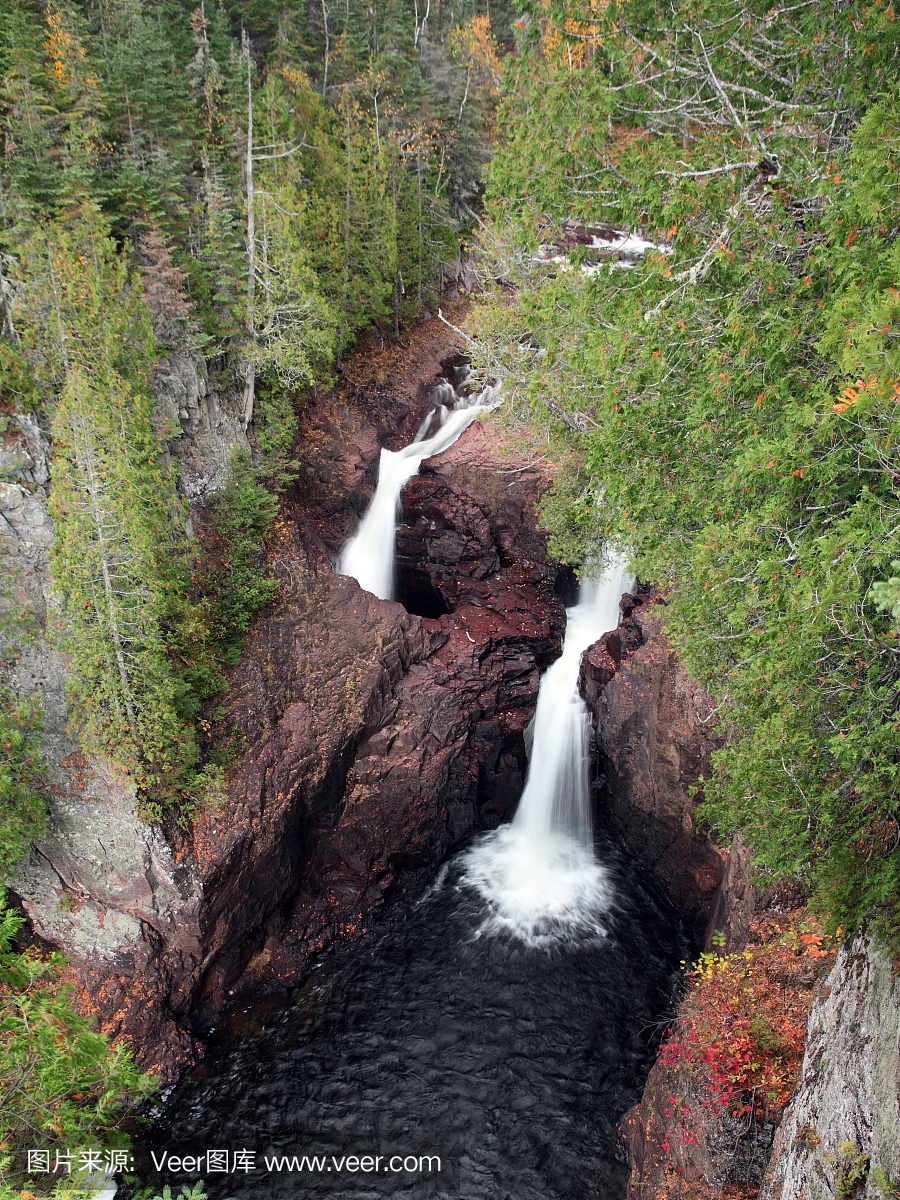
[102,885]
[840,1134]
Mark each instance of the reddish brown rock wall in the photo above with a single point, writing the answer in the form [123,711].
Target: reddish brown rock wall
[371,740]
[655,730]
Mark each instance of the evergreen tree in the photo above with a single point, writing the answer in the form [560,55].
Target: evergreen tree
[289,213]
[59,1079]
[23,798]
[116,570]
[52,107]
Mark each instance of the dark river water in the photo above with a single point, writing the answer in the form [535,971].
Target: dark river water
[510,1065]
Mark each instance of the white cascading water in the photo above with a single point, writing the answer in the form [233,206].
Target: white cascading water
[539,874]
[369,554]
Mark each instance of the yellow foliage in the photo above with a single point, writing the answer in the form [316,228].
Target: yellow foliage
[475,45]
[576,43]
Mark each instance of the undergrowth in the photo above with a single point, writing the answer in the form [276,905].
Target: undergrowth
[741,1028]
[63,1089]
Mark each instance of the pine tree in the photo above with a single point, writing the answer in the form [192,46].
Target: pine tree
[52,107]
[116,569]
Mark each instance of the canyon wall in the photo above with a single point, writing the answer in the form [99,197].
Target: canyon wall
[654,733]
[368,740]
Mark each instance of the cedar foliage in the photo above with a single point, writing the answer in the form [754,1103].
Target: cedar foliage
[728,407]
[23,801]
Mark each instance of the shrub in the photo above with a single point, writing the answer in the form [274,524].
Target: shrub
[742,1025]
[61,1084]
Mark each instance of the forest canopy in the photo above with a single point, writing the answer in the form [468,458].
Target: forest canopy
[248,186]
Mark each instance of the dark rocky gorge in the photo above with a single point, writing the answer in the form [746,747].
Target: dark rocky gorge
[375,740]
[513,1066]
[377,737]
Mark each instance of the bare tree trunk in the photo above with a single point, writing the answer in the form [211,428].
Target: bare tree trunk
[93,491]
[420,25]
[421,227]
[327,48]
[250,374]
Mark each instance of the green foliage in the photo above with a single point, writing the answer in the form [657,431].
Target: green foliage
[51,112]
[243,513]
[728,407]
[126,130]
[23,803]
[23,800]
[118,558]
[886,593]
[60,1083]
[118,575]
[852,1170]
[889,1189]
[78,306]
[197,1192]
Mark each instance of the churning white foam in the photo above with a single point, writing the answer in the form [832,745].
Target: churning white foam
[369,555]
[539,875]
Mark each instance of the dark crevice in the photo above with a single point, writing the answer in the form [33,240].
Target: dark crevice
[418,594]
[566,585]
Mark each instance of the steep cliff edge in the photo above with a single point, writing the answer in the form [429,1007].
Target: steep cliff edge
[840,1135]
[654,731]
[102,885]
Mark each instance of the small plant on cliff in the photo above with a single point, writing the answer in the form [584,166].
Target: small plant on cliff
[890,1189]
[852,1170]
[62,1087]
[742,1025]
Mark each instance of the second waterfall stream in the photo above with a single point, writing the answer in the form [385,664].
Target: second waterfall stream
[539,875]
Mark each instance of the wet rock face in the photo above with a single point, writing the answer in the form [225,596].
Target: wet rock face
[446,549]
[457,547]
[654,735]
[427,740]
[689,1148]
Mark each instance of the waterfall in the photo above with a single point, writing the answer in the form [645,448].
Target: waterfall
[369,555]
[539,874]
